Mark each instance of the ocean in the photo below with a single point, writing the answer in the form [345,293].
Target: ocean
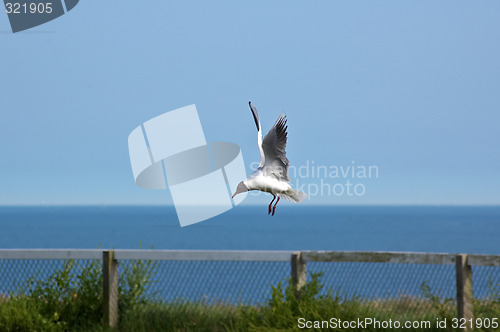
[453,229]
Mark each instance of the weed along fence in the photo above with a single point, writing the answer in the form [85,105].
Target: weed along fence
[412,281]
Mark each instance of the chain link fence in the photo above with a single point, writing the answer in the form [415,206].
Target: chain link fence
[486,282]
[19,276]
[234,282]
[233,277]
[393,285]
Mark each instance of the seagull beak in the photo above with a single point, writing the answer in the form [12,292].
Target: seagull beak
[233,195]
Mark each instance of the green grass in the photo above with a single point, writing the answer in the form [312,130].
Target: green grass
[70,300]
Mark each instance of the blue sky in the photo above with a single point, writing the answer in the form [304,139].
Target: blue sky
[410,87]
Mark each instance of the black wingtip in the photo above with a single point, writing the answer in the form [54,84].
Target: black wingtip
[255,115]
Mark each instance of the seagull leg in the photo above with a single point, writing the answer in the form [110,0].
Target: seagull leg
[269,212]
[274,207]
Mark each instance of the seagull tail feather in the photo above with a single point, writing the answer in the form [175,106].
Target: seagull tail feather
[294,195]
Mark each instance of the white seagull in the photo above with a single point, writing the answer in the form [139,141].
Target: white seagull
[272,174]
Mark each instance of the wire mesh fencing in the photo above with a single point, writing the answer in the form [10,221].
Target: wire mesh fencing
[390,286]
[420,282]
[486,282]
[247,282]
[64,276]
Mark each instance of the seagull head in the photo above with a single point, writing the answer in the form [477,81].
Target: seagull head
[240,189]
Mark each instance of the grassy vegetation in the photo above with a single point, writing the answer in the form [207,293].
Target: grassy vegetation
[71,300]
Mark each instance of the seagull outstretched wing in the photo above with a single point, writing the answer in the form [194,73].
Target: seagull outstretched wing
[273,160]
[274,146]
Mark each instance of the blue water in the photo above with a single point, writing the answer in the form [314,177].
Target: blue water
[366,228]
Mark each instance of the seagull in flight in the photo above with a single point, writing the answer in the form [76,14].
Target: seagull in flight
[272,174]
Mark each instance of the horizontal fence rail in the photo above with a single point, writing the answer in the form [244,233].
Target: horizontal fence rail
[51,254]
[397,257]
[298,263]
[205,255]
[253,255]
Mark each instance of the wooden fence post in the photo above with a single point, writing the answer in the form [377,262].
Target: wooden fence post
[110,288]
[464,289]
[298,272]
